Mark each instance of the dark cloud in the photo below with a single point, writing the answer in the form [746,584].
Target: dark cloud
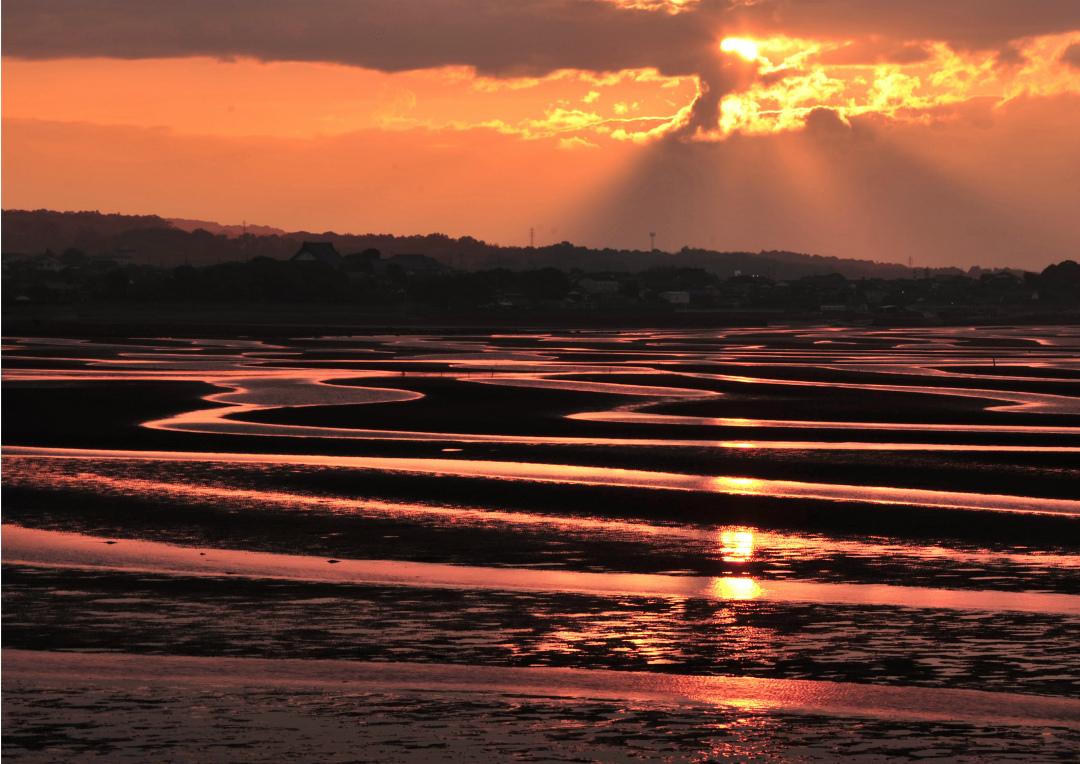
[720,74]
[519,38]
[1009,57]
[823,121]
[499,37]
[874,50]
[1071,56]
[524,37]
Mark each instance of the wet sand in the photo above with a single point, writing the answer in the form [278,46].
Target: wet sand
[50,549]
[328,711]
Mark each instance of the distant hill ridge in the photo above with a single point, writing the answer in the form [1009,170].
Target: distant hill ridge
[232,231]
[168,242]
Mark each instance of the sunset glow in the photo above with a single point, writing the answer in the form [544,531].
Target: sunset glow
[748,49]
[503,131]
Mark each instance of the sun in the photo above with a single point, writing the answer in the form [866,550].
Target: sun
[740,46]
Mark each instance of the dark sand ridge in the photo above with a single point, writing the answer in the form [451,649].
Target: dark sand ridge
[312,388]
[1053,377]
[455,407]
[1050,371]
[721,376]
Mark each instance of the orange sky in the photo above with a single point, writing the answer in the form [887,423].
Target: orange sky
[873,129]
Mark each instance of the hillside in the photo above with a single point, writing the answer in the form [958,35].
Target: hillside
[150,239]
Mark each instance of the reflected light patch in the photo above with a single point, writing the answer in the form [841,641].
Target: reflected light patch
[739,485]
[742,47]
[737,546]
[736,588]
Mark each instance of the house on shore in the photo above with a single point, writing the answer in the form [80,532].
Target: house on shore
[318,252]
[358,265]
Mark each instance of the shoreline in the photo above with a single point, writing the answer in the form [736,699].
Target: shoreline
[261,320]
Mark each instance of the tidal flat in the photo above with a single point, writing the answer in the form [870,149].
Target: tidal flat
[639,545]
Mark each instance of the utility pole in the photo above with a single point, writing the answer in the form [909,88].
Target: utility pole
[532,238]
[652,241]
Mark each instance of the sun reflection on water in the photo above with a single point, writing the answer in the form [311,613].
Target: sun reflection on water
[737,545]
[736,588]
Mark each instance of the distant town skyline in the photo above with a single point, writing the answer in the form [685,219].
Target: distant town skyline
[942,132]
